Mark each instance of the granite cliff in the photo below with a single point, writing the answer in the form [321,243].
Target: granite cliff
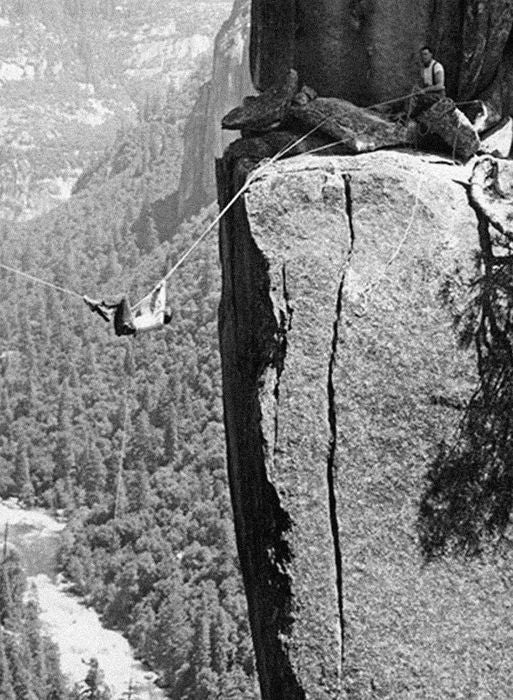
[203,139]
[364,52]
[364,339]
[345,280]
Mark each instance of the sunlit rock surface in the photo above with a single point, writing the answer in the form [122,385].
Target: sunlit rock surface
[343,371]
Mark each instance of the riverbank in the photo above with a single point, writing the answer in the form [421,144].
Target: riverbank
[74,627]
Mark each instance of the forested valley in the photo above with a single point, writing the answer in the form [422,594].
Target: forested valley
[124,437]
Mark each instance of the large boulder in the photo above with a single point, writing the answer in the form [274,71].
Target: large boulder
[265,111]
[356,130]
[454,128]
[343,373]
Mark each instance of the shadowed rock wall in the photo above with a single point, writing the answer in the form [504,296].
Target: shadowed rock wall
[367,50]
[282,507]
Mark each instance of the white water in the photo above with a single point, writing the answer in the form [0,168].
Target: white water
[75,628]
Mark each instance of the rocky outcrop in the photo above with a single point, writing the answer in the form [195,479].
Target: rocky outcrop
[265,111]
[355,129]
[203,138]
[343,373]
[491,190]
[362,51]
[453,127]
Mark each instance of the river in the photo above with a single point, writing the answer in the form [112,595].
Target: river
[74,627]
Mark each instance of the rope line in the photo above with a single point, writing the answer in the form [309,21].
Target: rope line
[38,280]
[413,94]
[196,243]
[396,99]
[256,173]
[252,177]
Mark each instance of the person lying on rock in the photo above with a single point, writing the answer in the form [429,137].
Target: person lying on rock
[150,314]
[432,83]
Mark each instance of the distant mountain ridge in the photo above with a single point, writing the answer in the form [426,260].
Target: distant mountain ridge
[72,73]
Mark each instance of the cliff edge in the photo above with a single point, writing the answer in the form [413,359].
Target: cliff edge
[344,371]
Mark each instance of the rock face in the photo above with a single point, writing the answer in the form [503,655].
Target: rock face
[343,373]
[354,129]
[203,138]
[363,51]
[453,127]
[491,190]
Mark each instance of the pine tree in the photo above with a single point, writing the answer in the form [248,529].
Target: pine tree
[171,435]
[205,678]
[145,231]
[6,687]
[121,497]
[18,658]
[93,473]
[145,447]
[64,453]
[6,412]
[173,637]
[22,476]
[12,586]
[142,495]
[54,683]
[202,678]
[220,643]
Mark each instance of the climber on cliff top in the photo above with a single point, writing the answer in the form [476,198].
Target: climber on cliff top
[432,83]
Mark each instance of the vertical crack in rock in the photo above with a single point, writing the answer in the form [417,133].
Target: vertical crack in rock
[349,212]
[279,359]
[286,297]
[332,418]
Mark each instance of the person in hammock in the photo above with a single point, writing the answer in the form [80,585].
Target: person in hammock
[151,313]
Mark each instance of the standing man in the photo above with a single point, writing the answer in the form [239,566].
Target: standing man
[432,81]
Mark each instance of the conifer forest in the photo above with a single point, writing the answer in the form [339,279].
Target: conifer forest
[121,437]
